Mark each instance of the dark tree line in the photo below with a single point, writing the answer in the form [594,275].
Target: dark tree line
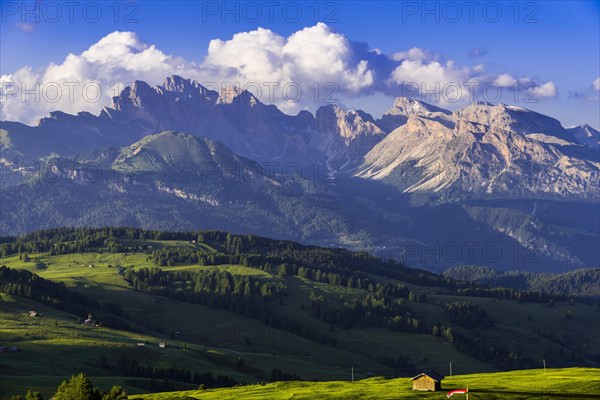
[511,294]
[334,276]
[400,362]
[370,311]
[277,375]
[130,367]
[582,283]
[169,256]
[482,350]
[468,314]
[192,284]
[241,295]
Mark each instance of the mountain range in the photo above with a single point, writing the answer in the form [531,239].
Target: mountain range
[488,184]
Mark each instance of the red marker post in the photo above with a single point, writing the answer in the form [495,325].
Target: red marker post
[459,391]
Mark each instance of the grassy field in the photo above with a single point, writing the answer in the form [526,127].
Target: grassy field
[55,345]
[566,384]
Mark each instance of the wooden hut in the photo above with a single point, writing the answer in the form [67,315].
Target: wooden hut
[431,381]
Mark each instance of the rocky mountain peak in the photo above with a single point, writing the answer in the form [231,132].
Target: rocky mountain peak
[133,95]
[502,117]
[173,89]
[585,135]
[348,125]
[189,88]
[235,95]
[175,83]
[406,106]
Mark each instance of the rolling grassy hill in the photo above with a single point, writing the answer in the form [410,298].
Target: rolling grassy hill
[568,384]
[288,334]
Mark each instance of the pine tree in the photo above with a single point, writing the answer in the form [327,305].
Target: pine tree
[116,393]
[79,387]
[31,395]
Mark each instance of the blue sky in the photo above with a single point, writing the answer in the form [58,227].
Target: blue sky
[557,42]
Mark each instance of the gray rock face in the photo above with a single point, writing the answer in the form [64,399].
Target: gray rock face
[344,136]
[482,151]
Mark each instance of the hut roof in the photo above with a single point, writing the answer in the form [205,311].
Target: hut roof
[436,376]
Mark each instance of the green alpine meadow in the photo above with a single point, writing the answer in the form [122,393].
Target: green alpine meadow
[209,314]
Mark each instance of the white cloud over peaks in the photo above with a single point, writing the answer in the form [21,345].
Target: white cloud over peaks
[596,84]
[445,83]
[428,74]
[548,89]
[261,58]
[254,54]
[86,82]
[533,89]
[312,55]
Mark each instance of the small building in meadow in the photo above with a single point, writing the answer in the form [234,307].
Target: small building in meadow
[431,381]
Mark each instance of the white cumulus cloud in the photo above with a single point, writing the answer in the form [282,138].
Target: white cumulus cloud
[312,56]
[414,54]
[548,89]
[430,79]
[505,80]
